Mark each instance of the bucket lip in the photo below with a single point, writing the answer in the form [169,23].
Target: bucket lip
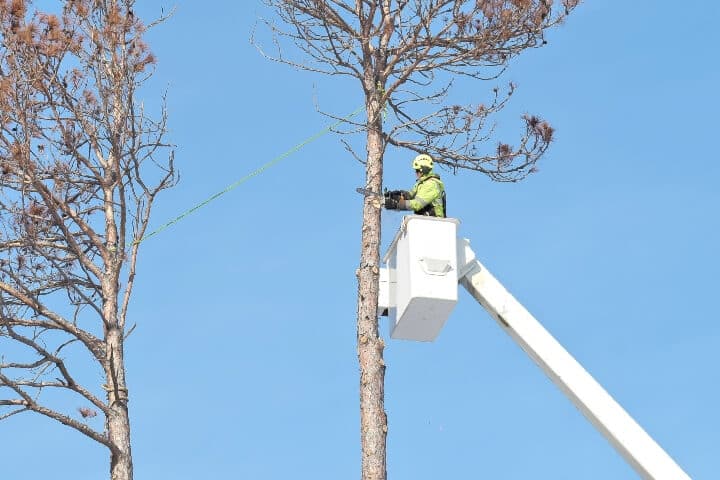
[403,227]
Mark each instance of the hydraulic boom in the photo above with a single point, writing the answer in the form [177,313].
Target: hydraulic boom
[625,435]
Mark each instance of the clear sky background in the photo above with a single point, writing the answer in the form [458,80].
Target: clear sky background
[243,364]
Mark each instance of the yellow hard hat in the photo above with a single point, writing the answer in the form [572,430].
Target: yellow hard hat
[423,162]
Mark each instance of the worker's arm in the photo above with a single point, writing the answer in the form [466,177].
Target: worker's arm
[424,194]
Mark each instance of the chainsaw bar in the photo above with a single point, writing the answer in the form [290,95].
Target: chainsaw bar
[369,193]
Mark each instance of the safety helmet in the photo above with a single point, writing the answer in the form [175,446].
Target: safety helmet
[423,162]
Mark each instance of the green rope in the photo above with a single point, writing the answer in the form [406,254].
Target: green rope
[250,175]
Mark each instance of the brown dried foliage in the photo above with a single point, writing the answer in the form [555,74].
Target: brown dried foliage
[87,412]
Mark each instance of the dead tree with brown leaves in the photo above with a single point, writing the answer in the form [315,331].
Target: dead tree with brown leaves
[81,164]
[406,55]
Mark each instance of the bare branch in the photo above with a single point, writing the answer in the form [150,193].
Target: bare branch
[417,44]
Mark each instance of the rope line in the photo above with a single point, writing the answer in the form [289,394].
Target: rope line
[250,175]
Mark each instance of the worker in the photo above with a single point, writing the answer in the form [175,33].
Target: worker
[427,197]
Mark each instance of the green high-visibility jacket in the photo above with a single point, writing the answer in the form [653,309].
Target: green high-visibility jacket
[427,197]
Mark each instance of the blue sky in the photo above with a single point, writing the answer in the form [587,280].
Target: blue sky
[243,364]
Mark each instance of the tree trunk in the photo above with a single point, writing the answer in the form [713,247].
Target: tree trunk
[373,420]
[118,420]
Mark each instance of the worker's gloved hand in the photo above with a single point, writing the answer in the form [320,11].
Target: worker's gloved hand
[391,203]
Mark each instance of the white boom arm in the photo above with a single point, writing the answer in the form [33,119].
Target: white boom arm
[625,435]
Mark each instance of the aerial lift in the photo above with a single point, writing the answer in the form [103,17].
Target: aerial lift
[418,290]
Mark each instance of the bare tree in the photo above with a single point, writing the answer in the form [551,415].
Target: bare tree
[406,55]
[81,164]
